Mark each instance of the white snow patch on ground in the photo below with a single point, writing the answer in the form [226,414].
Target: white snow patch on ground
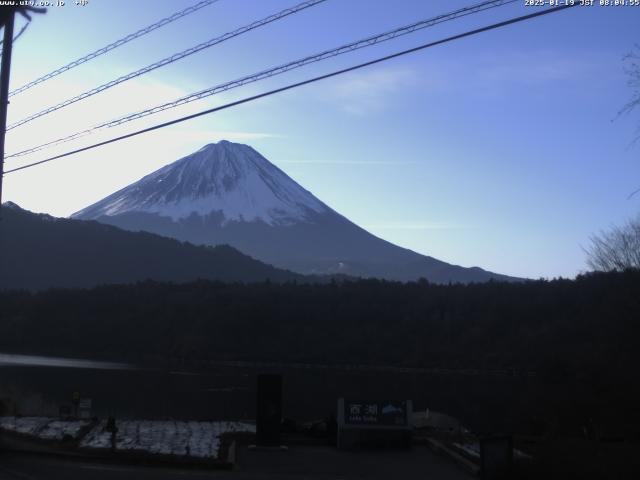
[195,439]
[26,425]
[97,437]
[43,427]
[57,429]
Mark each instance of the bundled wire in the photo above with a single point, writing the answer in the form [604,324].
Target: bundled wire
[363,43]
[299,84]
[166,61]
[116,44]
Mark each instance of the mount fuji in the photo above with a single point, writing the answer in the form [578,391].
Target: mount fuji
[227,193]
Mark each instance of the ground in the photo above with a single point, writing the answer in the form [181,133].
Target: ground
[317,462]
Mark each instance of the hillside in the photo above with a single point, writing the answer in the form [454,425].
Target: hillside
[39,251]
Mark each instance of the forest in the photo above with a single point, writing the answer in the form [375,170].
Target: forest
[556,327]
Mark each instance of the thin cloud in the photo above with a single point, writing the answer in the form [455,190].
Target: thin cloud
[540,67]
[352,162]
[497,74]
[209,136]
[364,92]
[415,226]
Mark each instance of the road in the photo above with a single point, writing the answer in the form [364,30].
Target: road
[313,463]
[34,467]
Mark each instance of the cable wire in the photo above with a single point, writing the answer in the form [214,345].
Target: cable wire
[366,42]
[22,30]
[116,44]
[299,84]
[173,58]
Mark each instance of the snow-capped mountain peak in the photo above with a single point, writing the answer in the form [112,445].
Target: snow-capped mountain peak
[224,177]
[227,193]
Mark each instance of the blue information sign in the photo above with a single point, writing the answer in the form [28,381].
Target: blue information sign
[387,413]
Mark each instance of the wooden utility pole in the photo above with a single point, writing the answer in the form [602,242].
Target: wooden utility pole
[4,90]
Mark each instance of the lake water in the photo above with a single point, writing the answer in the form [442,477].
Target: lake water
[13,360]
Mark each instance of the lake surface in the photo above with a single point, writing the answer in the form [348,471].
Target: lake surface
[13,360]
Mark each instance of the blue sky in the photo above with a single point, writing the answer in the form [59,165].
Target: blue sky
[501,150]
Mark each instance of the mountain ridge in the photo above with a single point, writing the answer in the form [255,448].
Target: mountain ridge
[38,251]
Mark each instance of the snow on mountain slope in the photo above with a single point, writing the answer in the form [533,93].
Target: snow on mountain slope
[223,177]
[227,193]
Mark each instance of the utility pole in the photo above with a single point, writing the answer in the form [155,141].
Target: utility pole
[4,90]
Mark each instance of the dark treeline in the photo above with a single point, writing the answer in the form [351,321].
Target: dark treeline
[558,326]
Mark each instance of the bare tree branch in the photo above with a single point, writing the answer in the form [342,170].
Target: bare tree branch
[632,70]
[617,249]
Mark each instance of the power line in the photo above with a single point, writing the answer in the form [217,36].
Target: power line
[299,84]
[366,42]
[24,27]
[22,30]
[173,58]
[116,44]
